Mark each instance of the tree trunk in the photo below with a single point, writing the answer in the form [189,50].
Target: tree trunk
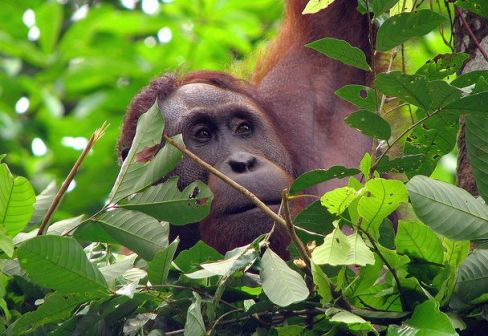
[470,44]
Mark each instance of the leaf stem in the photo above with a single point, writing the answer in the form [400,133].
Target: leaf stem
[59,195]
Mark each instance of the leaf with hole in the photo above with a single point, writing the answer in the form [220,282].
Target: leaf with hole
[362,96]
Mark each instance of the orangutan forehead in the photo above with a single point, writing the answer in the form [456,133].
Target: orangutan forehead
[200,96]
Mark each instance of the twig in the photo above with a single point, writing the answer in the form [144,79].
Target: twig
[391,269]
[302,250]
[59,195]
[217,321]
[471,34]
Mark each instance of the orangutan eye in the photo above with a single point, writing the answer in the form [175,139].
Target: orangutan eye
[244,129]
[202,134]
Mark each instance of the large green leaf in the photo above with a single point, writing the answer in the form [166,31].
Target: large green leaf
[359,253]
[479,7]
[166,202]
[342,51]
[16,201]
[282,285]
[194,325]
[447,209]
[313,177]
[158,268]
[426,320]
[384,197]
[472,279]
[419,241]
[137,231]
[323,284]
[400,28]
[60,263]
[476,132]
[472,104]
[361,96]
[352,321]
[198,254]
[369,123]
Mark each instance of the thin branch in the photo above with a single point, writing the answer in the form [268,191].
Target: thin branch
[391,269]
[471,34]
[302,250]
[59,195]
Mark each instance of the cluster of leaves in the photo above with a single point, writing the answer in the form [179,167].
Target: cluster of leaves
[422,277]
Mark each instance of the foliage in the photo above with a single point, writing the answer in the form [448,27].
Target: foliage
[427,276]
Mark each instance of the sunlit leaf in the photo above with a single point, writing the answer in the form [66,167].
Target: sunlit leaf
[334,251]
[282,285]
[314,6]
[419,241]
[336,201]
[16,201]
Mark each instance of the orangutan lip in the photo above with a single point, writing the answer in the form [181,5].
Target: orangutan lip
[234,210]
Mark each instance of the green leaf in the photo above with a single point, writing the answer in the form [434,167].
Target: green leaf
[194,325]
[49,18]
[6,243]
[282,285]
[447,209]
[16,201]
[419,241]
[472,278]
[479,7]
[469,78]
[369,123]
[359,253]
[158,268]
[313,177]
[198,254]
[384,197]
[342,51]
[166,202]
[426,320]
[443,65]
[113,271]
[476,132]
[407,163]
[472,104]
[60,263]
[381,6]
[365,166]
[314,6]
[149,132]
[352,321]
[362,96]
[334,251]
[417,90]
[323,284]
[137,231]
[336,201]
[43,201]
[400,28]
[56,307]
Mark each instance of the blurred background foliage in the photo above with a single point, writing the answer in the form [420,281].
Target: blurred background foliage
[68,66]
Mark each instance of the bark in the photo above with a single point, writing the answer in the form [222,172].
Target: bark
[463,42]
